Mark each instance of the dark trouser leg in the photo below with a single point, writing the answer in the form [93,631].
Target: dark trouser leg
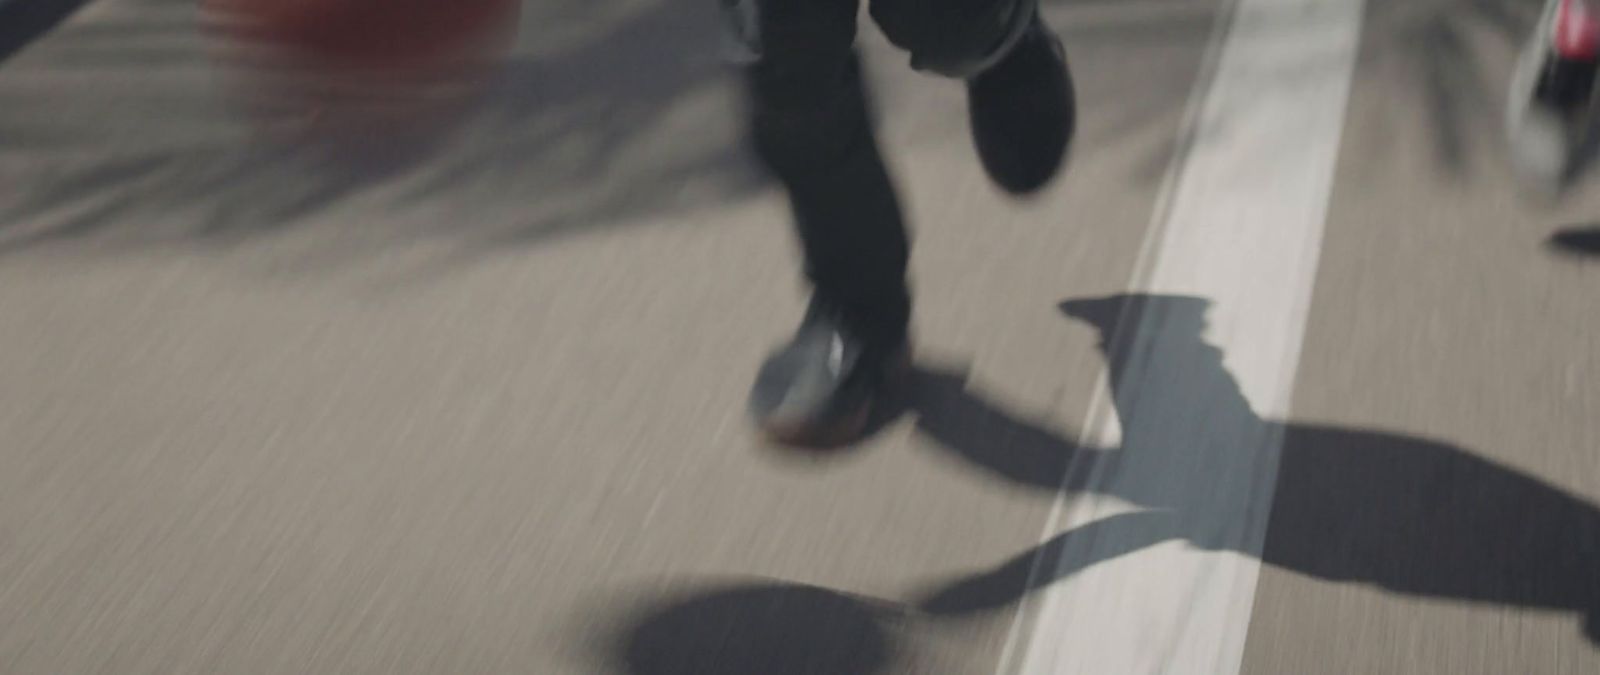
[811,127]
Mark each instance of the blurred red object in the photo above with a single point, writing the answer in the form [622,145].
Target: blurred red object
[378,35]
[380,72]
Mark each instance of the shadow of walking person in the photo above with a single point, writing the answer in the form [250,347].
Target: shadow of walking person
[1410,515]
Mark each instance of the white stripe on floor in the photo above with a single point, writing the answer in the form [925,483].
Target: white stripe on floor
[1242,228]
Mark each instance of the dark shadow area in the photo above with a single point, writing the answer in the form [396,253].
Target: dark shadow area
[766,628]
[23,21]
[1410,515]
[1580,241]
[987,437]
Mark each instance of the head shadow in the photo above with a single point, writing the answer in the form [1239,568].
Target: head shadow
[758,626]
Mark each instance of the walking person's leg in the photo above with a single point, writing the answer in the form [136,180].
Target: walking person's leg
[810,124]
[809,121]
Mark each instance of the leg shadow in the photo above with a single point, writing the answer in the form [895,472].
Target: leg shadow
[1063,556]
[979,432]
[1581,241]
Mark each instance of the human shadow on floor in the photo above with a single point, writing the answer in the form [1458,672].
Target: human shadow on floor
[1410,515]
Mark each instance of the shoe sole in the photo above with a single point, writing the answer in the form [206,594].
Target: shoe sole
[848,429]
[806,434]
